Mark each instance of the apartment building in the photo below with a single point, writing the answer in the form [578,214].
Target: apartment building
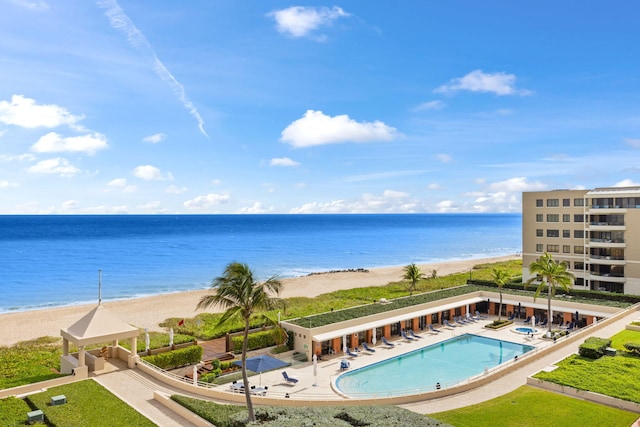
[596,232]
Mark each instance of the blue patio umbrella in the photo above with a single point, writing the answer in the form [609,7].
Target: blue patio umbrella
[262,363]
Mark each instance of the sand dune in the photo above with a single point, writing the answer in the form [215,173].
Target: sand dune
[150,311]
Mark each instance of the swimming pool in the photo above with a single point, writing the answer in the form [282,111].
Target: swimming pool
[448,363]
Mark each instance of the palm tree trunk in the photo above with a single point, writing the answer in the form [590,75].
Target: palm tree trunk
[245,378]
[500,308]
[549,307]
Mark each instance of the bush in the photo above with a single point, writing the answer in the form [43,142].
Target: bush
[633,348]
[255,341]
[594,347]
[497,324]
[176,358]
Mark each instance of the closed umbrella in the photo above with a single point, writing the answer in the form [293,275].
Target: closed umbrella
[344,343]
[146,341]
[374,339]
[315,370]
[171,337]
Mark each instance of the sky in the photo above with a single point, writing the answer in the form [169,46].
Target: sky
[257,106]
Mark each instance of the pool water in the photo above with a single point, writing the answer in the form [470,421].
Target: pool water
[447,363]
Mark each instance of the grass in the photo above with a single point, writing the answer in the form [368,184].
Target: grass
[531,407]
[13,412]
[325,416]
[88,404]
[615,376]
[29,362]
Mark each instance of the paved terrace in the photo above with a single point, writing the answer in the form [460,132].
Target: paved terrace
[136,387]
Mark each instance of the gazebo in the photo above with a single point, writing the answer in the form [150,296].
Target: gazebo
[97,326]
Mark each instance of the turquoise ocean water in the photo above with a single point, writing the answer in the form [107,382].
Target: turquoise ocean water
[53,260]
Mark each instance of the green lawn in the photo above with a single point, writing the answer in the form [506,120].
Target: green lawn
[30,362]
[531,407]
[88,404]
[612,376]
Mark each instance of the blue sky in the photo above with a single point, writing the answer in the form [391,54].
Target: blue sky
[347,107]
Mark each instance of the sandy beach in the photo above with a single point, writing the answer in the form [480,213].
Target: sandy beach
[150,311]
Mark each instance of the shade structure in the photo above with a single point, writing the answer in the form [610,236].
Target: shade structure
[262,363]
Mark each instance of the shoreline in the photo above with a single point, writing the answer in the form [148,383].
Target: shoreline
[148,312]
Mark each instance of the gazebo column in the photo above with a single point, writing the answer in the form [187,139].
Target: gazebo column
[65,347]
[81,356]
[133,357]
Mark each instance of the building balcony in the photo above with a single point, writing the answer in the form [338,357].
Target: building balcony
[606,260]
[604,226]
[606,277]
[606,243]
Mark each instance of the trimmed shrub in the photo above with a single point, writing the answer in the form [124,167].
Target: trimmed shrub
[176,358]
[633,347]
[593,347]
[255,341]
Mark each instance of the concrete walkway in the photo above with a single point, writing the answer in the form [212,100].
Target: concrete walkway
[136,389]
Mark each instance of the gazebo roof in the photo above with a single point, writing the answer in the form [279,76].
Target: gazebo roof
[97,326]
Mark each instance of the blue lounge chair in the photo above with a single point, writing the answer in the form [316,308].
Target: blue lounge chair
[470,318]
[446,322]
[527,320]
[461,320]
[513,316]
[367,348]
[481,316]
[406,337]
[344,365]
[350,354]
[387,343]
[544,323]
[432,329]
[288,379]
[413,334]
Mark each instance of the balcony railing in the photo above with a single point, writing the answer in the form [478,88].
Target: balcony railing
[613,258]
[606,240]
[612,224]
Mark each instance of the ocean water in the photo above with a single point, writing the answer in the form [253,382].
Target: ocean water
[54,260]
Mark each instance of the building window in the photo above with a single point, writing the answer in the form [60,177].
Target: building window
[578,249]
[566,234]
[566,217]
[553,218]
[566,202]
[578,202]
[578,218]
[578,265]
[539,247]
[553,248]
[578,234]
[539,203]
[539,232]
[553,203]
[539,217]
[566,249]
[553,233]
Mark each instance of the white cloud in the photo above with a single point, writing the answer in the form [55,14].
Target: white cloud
[56,143]
[626,183]
[32,5]
[518,184]
[476,81]
[390,201]
[155,138]
[7,184]
[316,128]
[635,143]
[122,183]
[25,113]
[173,189]
[391,194]
[256,208]
[283,161]
[434,186]
[300,21]
[150,173]
[154,206]
[445,206]
[203,203]
[430,105]
[119,20]
[444,158]
[58,166]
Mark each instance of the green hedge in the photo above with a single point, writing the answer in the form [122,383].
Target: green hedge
[594,347]
[633,348]
[176,358]
[255,341]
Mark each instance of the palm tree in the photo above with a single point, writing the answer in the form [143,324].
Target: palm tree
[500,278]
[240,295]
[552,274]
[413,274]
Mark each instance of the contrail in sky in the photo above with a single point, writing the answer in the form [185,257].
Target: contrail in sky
[120,21]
